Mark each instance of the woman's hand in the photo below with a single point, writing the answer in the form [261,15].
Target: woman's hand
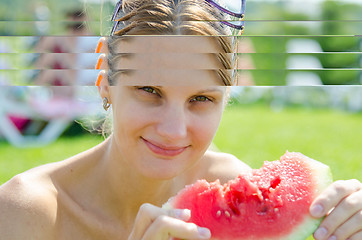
[342,203]
[154,223]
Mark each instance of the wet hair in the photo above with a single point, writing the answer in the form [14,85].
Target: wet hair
[174,17]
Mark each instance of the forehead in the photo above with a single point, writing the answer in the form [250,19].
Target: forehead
[167,44]
[167,60]
[153,61]
[166,77]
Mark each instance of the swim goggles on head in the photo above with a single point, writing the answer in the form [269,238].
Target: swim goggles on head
[232,12]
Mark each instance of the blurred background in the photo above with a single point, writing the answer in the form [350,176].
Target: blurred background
[299,67]
[303,56]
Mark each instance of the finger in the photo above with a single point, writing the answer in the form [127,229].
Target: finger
[350,227]
[148,213]
[165,227]
[334,194]
[349,206]
[356,236]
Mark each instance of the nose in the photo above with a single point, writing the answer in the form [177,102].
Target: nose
[172,123]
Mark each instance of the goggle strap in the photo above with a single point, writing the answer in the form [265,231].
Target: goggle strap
[238,15]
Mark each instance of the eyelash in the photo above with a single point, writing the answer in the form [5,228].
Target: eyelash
[151,90]
[205,99]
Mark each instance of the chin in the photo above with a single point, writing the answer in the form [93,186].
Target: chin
[163,171]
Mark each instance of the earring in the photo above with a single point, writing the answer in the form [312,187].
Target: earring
[106,104]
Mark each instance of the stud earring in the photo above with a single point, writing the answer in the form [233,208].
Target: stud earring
[106,104]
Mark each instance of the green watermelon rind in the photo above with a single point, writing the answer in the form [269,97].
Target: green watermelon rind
[322,177]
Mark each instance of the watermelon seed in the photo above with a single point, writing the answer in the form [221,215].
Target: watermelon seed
[263,210]
[227,214]
[218,213]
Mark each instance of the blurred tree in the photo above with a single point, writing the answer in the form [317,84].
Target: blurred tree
[338,21]
[341,21]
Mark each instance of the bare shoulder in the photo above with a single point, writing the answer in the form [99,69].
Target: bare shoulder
[27,208]
[223,166]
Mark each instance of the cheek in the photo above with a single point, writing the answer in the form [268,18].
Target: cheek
[205,127]
[129,117]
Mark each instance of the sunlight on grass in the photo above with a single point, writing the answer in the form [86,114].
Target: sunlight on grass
[256,134]
[16,160]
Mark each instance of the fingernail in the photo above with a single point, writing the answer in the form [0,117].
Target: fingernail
[332,238]
[317,210]
[204,232]
[182,214]
[320,233]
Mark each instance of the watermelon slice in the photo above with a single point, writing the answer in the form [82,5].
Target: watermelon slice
[270,203]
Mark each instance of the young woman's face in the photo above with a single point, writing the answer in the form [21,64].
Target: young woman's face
[164,130]
[160,127]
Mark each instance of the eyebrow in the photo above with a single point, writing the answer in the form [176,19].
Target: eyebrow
[214,89]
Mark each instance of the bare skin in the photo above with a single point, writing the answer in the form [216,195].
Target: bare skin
[70,200]
[159,144]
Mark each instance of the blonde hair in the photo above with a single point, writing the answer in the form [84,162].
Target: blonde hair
[165,17]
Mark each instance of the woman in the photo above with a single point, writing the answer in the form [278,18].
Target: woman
[159,144]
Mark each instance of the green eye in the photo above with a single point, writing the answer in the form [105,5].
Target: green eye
[200,99]
[149,90]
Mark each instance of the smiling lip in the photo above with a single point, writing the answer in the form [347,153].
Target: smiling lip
[167,151]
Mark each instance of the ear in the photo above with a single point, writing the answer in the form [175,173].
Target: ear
[102,62]
[102,46]
[103,85]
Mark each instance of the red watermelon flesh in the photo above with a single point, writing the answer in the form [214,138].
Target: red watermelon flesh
[270,203]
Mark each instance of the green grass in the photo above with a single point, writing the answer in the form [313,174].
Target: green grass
[255,134]
[16,160]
